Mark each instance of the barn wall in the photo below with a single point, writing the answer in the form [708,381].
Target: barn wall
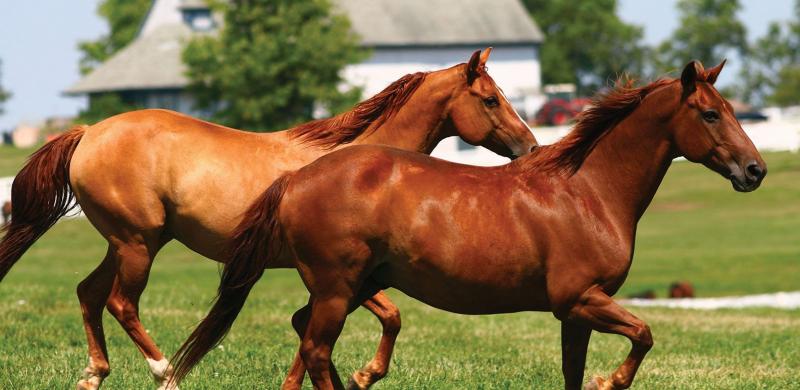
[515,69]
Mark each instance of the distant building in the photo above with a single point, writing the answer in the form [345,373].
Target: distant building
[404,36]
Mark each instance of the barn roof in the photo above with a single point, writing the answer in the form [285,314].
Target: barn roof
[153,60]
[440,22]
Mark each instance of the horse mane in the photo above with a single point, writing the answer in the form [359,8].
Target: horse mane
[346,127]
[606,110]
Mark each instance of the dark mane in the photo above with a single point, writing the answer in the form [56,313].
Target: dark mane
[607,109]
[347,126]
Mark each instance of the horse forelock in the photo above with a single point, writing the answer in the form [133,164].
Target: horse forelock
[606,110]
[346,127]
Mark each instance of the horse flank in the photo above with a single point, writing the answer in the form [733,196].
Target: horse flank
[346,127]
[255,242]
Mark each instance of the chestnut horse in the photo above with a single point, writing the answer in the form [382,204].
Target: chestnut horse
[147,177]
[552,231]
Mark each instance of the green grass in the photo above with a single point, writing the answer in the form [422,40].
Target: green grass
[12,159]
[697,229]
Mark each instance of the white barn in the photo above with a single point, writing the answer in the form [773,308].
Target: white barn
[404,37]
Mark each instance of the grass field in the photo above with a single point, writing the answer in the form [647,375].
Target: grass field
[697,229]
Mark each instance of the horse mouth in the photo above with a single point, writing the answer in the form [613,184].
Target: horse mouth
[744,185]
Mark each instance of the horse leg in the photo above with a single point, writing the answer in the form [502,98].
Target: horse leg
[389,316]
[297,372]
[324,326]
[598,311]
[294,379]
[92,294]
[123,304]
[574,343]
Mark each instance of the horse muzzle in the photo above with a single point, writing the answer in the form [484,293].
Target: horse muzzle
[749,178]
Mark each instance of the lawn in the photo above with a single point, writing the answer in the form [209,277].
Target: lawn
[697,229]
[12,159]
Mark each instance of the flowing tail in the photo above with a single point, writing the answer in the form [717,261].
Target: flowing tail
[40,196]
[255,242]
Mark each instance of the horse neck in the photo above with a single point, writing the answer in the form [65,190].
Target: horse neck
[628,164]
[420,124]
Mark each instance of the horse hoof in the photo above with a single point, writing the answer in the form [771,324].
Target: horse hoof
[85,384]
[165,385]
[353,383]
[598,383]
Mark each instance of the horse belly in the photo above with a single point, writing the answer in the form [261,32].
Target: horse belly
[476,291]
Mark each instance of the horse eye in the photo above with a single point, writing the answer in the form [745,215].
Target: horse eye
[491,101]
[710,116]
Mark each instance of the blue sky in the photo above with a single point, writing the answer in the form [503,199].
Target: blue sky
[38,46]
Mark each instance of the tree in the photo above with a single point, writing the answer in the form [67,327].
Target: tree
[771,72]
[272,62]
[124,18]
[586,43]
[4,95]
[102,106]
[707,31]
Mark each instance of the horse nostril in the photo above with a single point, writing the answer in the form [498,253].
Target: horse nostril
[534,147]
[755,170]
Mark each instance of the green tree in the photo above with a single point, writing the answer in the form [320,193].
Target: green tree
[586,43]
[707,31]
[124,18]
[102,106]
[4,95]
[771,72]
[272,62]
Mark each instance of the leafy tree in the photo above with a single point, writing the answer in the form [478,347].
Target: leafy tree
[707,31]
[4,95]
[124,18]
[771,72]
[586,43]
[272,62]
[102,106]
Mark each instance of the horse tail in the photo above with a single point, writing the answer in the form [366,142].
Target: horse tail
[40,195]
[256,241]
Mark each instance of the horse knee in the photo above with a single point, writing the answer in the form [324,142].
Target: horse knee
[642,337]
[314,357]
[122,310]
[390,320]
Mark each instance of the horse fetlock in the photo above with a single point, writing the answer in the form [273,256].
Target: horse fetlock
[359,381]
[367,376]
[162,373]
[93,376]
[599,383]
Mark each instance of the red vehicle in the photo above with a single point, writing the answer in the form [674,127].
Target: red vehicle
[562,106]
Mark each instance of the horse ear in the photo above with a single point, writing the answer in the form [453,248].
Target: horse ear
[485,56]
[472,67]
[711,74]
[689,76]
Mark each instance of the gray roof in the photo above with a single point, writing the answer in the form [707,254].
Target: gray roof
[440,22]
[154,61]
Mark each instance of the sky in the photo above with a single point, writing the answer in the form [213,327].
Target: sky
[39,39]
